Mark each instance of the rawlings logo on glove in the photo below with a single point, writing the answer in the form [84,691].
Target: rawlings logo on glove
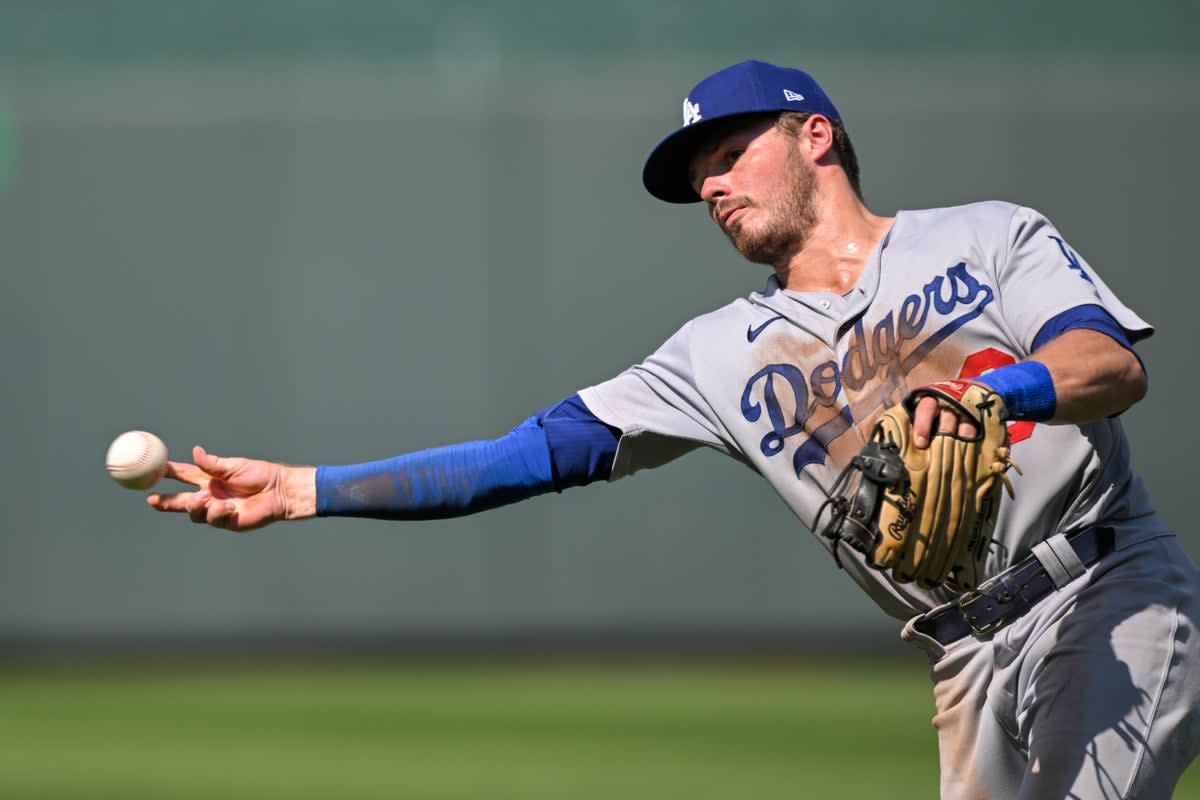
[926,514]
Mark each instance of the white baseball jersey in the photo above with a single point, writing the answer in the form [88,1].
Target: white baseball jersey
[791,383]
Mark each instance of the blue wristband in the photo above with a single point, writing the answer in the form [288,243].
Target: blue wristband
[1026,388]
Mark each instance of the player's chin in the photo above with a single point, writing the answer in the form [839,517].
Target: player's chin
[756,249]
[741,238]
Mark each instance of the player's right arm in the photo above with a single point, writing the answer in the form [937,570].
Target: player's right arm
[561,446]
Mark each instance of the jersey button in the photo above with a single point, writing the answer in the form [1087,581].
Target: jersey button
[825,304]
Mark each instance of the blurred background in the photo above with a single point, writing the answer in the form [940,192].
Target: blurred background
[327,232]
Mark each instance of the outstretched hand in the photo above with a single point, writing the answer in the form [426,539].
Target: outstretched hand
[238,494]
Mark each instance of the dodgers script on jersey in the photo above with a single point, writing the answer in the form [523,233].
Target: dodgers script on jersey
[791,383]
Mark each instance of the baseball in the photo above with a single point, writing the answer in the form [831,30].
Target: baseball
[136,459]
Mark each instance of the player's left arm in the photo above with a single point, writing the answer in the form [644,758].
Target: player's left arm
[1083,368]
[1093,376]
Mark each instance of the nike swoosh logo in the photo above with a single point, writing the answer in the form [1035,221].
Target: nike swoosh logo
[752,333]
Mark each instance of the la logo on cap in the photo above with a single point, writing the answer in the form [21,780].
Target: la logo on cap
[691,112]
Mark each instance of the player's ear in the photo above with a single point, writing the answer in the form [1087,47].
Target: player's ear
[817,136]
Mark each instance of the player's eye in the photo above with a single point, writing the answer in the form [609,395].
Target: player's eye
[733,154]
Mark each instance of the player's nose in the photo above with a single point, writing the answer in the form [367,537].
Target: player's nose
[713,188]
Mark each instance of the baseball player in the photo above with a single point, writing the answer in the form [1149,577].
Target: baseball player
[1065,665]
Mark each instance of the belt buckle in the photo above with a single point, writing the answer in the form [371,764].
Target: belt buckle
[979,630]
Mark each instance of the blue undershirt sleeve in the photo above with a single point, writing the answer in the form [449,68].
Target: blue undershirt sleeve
[582,448]
[561,446]
[441,482]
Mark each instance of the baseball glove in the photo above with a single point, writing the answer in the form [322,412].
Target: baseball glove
[925,514]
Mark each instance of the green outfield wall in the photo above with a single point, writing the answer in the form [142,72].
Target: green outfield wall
[333,232]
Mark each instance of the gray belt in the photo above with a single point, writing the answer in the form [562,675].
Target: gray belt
[1000,600]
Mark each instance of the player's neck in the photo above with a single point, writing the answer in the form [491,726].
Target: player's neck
[836,250]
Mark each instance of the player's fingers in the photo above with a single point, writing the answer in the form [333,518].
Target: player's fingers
[170,501]
[967,429]
[215,466]
[187,473]
[947,421]
[197,507]
[923,418]
[223,514]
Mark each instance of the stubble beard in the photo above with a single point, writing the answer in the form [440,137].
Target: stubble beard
[792,219]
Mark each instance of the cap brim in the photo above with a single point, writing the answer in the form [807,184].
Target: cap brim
[665,173]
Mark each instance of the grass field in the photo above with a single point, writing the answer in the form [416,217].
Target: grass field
[471,731]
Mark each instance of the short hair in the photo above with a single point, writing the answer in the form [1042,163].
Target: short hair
[790,122]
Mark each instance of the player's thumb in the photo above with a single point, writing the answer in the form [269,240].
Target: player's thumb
[215,466]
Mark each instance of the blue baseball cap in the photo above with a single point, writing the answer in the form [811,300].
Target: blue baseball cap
[751,87]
